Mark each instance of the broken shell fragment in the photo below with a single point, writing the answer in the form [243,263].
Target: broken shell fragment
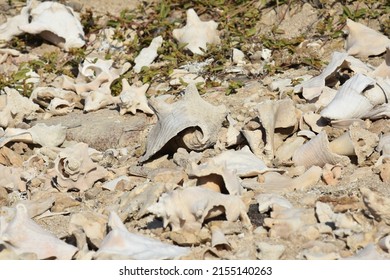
[23,235]
[147,55]
[197,34]
[133,98]
[364,41]
[187,209]
[197,120]
[119,242]
[377,204]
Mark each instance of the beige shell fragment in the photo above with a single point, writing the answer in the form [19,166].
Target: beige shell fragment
[147,55]
[218,239]
[59,107]
[268,201]
[56,23]
[383,70]
[133,98]
[119,242]
[364,41]
[14,108]
[23,235]
[267,251]
[317,152]
[74,169]
[196,120]
[276,114]
[10,178]
[196,33]
[40,134]
[186,209]
[44,97]
[377,204]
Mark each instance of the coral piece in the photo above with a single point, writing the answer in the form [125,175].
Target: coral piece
[119,242]
[198,122]
[197,34]
[23,235]
[147,55]
[74,169]
[364,41]
[56,23]
[187,209]
[133,98]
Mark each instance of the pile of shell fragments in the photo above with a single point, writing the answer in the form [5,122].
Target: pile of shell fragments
[266,178]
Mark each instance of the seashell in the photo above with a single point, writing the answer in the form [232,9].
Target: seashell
[147,55]
[275,114]
[331,174]
[10,178]
[56,23]
[356,141]
[255,141]
[285,152]
[268,251]
[384,243]
[14,108]
[209,176]
[349,101]
[196,33]
[10,28]
[98,99]
[377,204]
[268,201]
[120,242]
[93,224]
[44,96]
[187,209]
[75,170]
[40,134]
[59,107]
[364,41]
[317,152]
[23,235]
[112,184]
[233,134]
[133,98]
[218,239]
[199,128]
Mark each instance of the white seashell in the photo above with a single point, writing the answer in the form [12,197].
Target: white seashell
[98,99]
[268,201]
[268,251]
[75,170]
[377,204]
[14,108]
[56,23]
[197,34]
[383,70]
[188,208]
[218,238]
[40,133]
[210,174]
[133,98]
[286,151]
[364,41]
[275,114]
[384,243]
[147,55]
[59,107]
[23,235]
[349,101]
[10,28]
[44,95]
[120,242]
[317,152]
[198,122]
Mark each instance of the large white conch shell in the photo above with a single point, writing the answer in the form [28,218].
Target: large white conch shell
[147,55]
[120,242]
[200,120]
[23,235]
[56,23]
[197,34]
[364,41]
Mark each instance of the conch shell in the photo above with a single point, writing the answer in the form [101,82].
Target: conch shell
[119,242]
[197,34]
[133,98]
[198,122]
[364,41]
[74,169]
[56,23]
[23,235]
[186,209]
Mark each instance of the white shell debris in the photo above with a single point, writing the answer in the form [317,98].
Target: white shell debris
[197,34]
[133,98]
[197,119]
[188,208]
[120,242]
[147,55]
[23,235]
